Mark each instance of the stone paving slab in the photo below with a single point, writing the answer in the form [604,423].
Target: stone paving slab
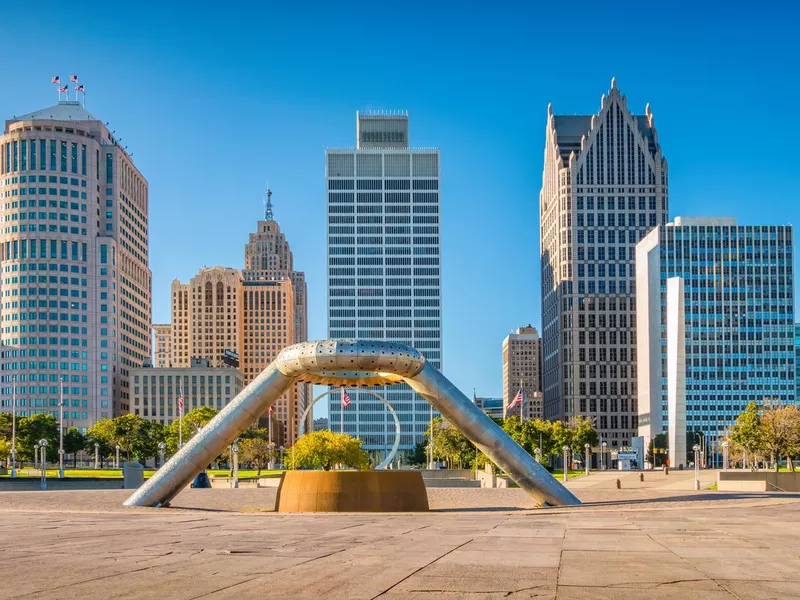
[228,544]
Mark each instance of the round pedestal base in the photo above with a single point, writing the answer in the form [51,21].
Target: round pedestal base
[352,491]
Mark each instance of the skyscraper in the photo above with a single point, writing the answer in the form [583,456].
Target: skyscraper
[163,347]
[76,282]
[604,187]
[735,340]
[384,272]
[522,370]
[275,314]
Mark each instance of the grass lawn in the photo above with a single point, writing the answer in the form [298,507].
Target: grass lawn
[117,473]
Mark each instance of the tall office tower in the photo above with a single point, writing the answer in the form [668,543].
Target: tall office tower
[736,340]
[522,370]
[207,317]
[275,314]
[163,348]
[604,187]
[74,250]
[384,279]
[267,256]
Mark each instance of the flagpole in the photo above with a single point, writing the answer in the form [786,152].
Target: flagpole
[521,403]
[341,413]
[180,418]
[14,427]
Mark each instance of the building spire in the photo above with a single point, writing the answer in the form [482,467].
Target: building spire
[268,216]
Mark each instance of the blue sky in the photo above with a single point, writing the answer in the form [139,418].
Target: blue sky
[213,103]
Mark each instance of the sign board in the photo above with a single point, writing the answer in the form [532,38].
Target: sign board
[231,358]
[627,456]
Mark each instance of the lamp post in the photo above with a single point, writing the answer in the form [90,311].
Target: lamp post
[696,449]
[43,444]
[162,446]
[61,429]
[565,449]
[14,428]
[538,454]
[603,447]
[235,449]
[281,451]
[588,456]
[96,455]
[116,460]
[725,455]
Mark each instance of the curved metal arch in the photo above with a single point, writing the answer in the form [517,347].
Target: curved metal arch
[350,363]
[385,462]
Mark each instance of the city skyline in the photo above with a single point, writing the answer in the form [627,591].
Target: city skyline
[487,121]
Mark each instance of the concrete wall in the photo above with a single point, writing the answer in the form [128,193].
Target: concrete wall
[27,484]
[760,481]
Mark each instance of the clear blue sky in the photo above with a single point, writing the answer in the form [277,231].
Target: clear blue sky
[214,101]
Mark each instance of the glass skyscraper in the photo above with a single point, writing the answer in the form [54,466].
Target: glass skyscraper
[384,271]
[737,328]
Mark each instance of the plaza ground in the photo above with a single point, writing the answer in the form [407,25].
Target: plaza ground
[651,539]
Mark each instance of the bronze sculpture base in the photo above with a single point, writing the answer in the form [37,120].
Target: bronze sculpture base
[352,491]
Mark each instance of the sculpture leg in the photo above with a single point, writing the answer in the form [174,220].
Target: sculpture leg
[489,438]
[221,431]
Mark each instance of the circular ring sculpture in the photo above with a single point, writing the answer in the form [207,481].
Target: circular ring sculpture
[350,363]
[385,462]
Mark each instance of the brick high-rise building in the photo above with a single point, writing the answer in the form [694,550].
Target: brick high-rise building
[522,370]
[76,282]
[604,187]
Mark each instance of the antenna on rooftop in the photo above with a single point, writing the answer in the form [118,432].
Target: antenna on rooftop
[268,216]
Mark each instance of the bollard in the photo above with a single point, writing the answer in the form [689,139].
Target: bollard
[619,484]
[641,476]
[666,470]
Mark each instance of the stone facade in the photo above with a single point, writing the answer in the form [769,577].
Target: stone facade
[522,369]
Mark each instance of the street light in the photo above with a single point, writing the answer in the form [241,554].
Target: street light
[566,463]
[725,455]
[161,447]
[235,450]
[116,461]
[43,444]
[588,448]
[696,449]
[14,428]
[96,455]
[61,430]
[538,453]
[603,454]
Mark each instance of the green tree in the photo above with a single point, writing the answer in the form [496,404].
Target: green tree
[102,435]
[581,432]
[5,449]
[191,423]
[420,455]
[34,428]
[5,425]
[747,432]
[74,442]
[257,451]
[134,435]
[780,433]
[658,448]
[326,449]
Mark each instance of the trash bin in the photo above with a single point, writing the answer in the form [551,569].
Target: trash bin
[132,475]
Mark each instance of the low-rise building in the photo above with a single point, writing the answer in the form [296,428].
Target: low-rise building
[491,406]
[155,392]
[321,424]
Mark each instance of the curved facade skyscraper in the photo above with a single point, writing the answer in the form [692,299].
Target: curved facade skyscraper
[76,286]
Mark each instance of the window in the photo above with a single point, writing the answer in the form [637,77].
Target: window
[64,156]
[109,167]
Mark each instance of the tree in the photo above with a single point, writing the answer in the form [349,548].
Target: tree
[101,434]
[451,445]
[659,442]
[780,433]
[74,442]
[257,451]
[420,455]
[5,425]
[191,424]
[324,449]
[5,449]
[134,435]
[747,432]
[581,432]
[34,428]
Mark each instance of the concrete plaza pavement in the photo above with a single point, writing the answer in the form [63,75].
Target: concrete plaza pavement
[651,541]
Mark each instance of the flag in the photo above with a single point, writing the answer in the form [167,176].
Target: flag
[345,398]
[73,78]
[517,400]
[64,90]
[79,88]
[180,403]
[56,80]
[270,412]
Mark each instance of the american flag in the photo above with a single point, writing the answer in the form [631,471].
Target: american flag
[517,400]
[79,88]
[345,398]
[180,403]
[64,90]
[270,411]
[73,78]
[56,80]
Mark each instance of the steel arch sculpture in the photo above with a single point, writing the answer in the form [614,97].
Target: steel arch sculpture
[350,363]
